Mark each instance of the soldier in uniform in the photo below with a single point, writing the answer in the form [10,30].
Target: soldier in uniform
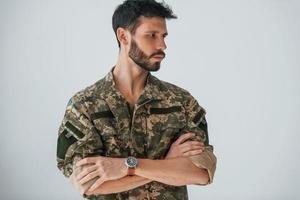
[131,135]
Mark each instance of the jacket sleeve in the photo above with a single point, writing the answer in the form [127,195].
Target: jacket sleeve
[196,122]
[77,139]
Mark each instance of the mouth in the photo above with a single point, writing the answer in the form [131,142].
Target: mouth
[159,56]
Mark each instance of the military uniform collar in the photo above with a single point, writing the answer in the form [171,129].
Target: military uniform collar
[154,89]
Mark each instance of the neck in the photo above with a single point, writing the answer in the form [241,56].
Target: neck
[129,78]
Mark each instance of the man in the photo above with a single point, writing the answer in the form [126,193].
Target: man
[131,135]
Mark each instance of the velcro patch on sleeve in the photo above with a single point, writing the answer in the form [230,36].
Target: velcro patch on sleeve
[65,140]
[74,130]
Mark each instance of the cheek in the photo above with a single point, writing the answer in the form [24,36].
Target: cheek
[147,46]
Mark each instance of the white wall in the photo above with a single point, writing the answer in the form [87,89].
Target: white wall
[240,59]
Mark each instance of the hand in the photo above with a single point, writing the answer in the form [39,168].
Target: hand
[183,148]
[103,167]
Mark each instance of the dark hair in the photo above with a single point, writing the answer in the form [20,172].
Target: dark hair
[126,15]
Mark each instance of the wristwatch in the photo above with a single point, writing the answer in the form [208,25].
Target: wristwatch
[131,163]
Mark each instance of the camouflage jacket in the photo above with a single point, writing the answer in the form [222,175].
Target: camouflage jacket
[98,121]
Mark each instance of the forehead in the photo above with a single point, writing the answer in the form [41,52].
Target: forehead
[146,24]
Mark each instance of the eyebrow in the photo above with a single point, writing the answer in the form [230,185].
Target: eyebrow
[165,34]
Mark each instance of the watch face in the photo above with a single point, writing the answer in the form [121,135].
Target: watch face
[131,162]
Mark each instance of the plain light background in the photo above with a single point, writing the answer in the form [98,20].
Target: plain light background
[240,59]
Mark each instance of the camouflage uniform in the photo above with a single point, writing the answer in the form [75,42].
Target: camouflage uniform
[99,121]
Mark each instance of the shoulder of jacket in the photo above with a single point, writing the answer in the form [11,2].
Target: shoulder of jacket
[89,93]
[176,90]
[185,96]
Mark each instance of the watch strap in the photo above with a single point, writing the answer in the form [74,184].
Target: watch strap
[130,171]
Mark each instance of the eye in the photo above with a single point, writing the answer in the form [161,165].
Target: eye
[152,35]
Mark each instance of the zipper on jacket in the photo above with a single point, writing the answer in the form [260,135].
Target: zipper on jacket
[133,116]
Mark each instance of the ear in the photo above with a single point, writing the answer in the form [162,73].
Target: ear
[122,35]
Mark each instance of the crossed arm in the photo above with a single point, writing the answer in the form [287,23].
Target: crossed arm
[123,184]
[177,169]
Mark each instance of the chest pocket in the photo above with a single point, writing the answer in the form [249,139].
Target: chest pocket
[107,126]
[164,125]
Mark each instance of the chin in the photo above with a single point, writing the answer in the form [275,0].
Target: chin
[150,67]
[155,67]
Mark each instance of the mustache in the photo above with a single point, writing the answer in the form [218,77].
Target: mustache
[159,53]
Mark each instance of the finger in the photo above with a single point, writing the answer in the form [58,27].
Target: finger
[86,171]
[89,177]
[192,153]
[193,143]
[184,137]
[190,144]
[96,184]
[187,148]
[85,161]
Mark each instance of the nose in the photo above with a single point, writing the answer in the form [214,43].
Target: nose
[161,44]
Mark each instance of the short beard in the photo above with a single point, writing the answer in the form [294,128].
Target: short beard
[141,59]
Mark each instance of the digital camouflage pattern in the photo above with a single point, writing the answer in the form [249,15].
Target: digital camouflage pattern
[97,121]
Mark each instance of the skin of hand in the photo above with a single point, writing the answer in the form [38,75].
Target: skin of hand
[183,148]
[107,168]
